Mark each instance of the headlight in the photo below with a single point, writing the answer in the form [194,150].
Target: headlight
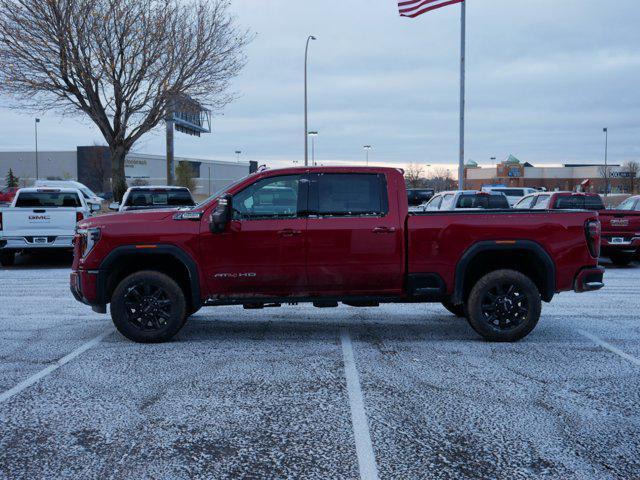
[88,239]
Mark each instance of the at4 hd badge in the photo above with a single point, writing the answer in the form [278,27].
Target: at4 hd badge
[234,275]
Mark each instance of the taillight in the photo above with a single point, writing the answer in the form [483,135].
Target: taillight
[593,232]
[79,217]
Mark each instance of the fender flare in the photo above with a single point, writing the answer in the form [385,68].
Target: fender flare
[179,254]
[488,246]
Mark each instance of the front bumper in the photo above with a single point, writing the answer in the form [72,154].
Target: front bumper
[29,243]
[589,279]
[83,285]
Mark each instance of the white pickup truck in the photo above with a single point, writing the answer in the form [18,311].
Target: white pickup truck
[41,218]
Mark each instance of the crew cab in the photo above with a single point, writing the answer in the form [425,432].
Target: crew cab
[40,218]
[467,199]
[620,227]
[327,235]
[152,197]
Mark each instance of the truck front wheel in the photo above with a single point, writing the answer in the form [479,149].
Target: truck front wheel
[504,306]
[148,307]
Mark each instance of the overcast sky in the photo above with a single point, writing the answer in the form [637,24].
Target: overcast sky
[543,78]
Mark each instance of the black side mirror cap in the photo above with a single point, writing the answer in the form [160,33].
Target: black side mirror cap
[221,216]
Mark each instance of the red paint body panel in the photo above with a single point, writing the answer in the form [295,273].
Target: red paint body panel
[335,256]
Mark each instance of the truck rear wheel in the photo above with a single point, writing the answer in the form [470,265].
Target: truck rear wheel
[621,259]
[148,307]
[7,258]
[504,306]
[457,310]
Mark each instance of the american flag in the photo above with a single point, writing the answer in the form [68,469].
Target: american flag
[413,8]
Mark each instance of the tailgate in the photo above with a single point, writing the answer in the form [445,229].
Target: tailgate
[24,222]
[620,223]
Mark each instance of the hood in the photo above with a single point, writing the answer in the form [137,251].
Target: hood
[133,216]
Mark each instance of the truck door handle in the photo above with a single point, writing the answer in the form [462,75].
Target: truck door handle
[384,230]
[288,232]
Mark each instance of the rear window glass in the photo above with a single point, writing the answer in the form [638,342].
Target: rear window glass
[482,201]
[48,199]
[581,202]
[159,198]
[511,192]
[351,194]
[418,197]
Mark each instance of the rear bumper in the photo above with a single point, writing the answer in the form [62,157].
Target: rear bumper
[628,244]
[28,243]
[589,279]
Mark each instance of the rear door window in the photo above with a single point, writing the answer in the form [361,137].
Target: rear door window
[349,194]
[48,200]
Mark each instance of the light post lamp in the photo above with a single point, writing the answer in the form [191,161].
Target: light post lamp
[238,152]
[313,135]
[606,168]
[306,139]
[366,150]
[36,125]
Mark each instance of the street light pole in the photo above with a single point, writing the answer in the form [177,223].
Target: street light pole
[366,149]
[306,140]
[36,124]
[606,168]
[313,135]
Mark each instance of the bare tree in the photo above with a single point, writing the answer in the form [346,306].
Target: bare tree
[413,176]
[605,173]
[441,179]
[120,62]
[631,168]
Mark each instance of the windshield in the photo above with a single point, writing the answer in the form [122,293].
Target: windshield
[220,192]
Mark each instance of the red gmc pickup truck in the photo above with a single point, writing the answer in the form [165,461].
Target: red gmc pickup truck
[620,239]
[327,235]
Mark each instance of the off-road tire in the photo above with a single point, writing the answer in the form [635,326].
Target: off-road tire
[621,259]
[148,307]
[515,301]
[457,310]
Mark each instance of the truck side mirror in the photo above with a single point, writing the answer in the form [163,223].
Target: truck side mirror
[95,207]
[221,215]
[115,206]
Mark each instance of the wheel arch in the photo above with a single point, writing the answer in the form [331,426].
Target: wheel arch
[525,256]
[169,259]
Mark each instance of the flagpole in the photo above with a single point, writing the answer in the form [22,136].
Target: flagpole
[463,27]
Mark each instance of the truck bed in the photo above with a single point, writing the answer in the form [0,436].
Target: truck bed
[438,240]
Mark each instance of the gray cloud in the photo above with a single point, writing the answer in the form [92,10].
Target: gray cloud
[544,77]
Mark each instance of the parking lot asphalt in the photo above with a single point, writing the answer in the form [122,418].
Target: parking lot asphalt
[401,391]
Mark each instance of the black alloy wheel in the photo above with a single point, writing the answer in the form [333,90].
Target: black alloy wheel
[504,306]
[148,307]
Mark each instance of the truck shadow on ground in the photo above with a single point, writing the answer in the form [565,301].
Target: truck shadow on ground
[42,260]
[431,328]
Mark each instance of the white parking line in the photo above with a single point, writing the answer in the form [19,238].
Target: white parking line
[53,367]
[364,448]
[610,347]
